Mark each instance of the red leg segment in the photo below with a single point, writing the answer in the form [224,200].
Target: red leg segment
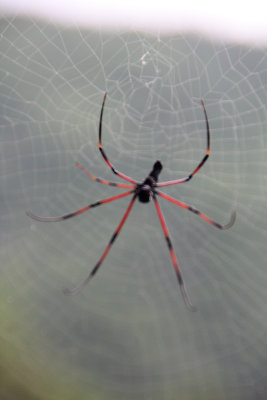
[116,172]
[173,257]
[122,185]
[102,258]
[197,212]
[82,210]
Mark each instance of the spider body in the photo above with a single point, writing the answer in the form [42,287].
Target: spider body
[144,191]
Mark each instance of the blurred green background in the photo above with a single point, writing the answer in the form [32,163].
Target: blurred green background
[128,335]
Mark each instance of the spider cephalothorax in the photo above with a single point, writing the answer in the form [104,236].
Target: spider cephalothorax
[144,192]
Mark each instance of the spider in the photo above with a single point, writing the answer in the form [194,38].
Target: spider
[144,192]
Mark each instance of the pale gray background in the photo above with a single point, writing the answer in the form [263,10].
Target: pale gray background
[128,335]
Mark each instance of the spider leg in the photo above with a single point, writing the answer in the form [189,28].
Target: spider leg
[197,212]
[102,258]
[173,256]
[202,162]
[122,185]
[116,172]
[82,210]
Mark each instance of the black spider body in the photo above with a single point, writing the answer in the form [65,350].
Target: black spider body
[145,189]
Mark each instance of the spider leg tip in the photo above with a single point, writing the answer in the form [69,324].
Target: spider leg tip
[187,301]
[233,217]
[231,222]
[189,305]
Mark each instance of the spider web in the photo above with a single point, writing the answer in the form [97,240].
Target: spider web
[129,334]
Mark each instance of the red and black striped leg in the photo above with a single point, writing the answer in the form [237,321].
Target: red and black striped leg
[116,172]
[82,210]
[173,256]
[102,258]
[208,143]
[122,185]
[202,162]
[197,212]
